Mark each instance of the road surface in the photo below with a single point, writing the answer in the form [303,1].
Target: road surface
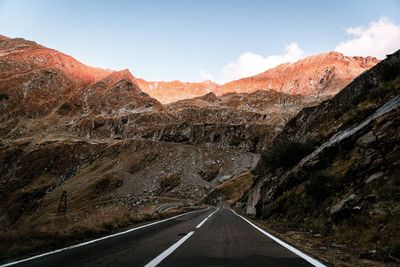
[212,237]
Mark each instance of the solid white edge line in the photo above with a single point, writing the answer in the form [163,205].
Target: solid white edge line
[280,242]
[168,251]
[98,239]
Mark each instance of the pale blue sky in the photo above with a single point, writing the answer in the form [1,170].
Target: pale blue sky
[166,40]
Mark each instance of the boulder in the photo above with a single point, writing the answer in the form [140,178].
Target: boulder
[344,207]
[366,139]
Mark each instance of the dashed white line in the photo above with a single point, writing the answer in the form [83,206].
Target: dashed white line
[172,248]
[213,213]
[202,222]
[287,246]
[96,240]
[168,251]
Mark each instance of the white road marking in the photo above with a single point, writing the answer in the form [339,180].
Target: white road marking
[168,251]
[213,213]
[97,240]
[203,221]
[287,246]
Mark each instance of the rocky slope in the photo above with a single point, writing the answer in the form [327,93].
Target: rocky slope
[38,82]
[246,122]
[333,172]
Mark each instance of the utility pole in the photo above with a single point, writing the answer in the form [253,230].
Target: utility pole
[62,206]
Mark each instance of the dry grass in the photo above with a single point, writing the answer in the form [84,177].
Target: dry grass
[233,189]
[59,231]
[326,249]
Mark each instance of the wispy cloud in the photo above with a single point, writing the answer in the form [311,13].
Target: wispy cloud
[378,39]
[205,75]
[249,64]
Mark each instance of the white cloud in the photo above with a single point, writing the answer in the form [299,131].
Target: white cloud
[249,64]
[205,75]
[378,39]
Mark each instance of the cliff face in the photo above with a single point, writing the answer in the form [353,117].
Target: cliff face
[337,169]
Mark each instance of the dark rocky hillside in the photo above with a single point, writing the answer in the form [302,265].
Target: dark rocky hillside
[333,173]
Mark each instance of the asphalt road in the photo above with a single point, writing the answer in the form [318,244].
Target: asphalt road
[205,238]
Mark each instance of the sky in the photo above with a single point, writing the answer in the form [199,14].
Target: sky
[220,40]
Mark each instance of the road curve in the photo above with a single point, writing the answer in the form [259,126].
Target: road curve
[213,237]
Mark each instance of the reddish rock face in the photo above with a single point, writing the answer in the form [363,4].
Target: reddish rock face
[35,80]
[318,76]
[19,56]
[324,74]
[168,92]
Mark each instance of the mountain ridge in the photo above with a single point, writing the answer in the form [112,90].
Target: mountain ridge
[323,74]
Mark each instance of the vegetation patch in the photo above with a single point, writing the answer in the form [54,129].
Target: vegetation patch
[232,190]
[3,96]
[169,182]
[317,187]
[282,155]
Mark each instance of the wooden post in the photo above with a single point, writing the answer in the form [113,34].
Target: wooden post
[62,206]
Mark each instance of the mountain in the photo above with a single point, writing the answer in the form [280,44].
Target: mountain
[124,158]
[168,92]
[318,76]
[69,127]
[36,81]
[331,175]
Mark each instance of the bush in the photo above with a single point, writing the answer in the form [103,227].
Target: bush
[284,155]
[395,251]
[3,96]
[390,72]
[317,187]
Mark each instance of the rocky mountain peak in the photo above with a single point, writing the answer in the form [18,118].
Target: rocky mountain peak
[318,76]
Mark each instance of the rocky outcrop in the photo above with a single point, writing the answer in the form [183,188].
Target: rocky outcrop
[230,190]
[360,99]
[248,122]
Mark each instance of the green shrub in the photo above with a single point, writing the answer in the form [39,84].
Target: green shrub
[390,71]
[3,96]
[284,155]
[395,251]
[317,187]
